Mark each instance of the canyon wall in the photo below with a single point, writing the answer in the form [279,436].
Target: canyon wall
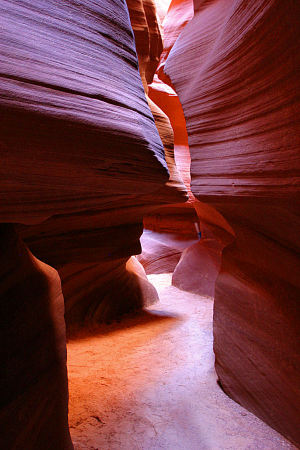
[83,160]
[235,68]
[33,388]
[91,192]
[81,163]
[199,259]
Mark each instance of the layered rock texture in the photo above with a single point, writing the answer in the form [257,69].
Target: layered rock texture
[235,68]
[85,123]
[81,163]
[198,265]
[94,139]
[170,122]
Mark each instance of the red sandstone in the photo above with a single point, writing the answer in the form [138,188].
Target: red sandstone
[102,119]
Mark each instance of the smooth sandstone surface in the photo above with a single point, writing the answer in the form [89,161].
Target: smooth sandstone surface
[162,7]
[199,265]
[170,122]
[97,154]
[71,88]
[149,45]
[179,14]
[103,292]
[33,388]
[198,268]
[162,251]
[241,104]
[81,163]
[148,39]
[174,217]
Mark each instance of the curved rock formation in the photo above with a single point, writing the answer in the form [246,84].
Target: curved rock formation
[180,12]
[146,27]
[89,107]
[162,251]
[103,292]
[198,265]
[239,97]
[178,218]
[34,392]
[148,39]
[105,143]
[82,162]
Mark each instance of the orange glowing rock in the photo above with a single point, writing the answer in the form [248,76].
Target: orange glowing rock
[239,97]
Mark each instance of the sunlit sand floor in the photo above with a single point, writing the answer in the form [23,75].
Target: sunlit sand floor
[148,382]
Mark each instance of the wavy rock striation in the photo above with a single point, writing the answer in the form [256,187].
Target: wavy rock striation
[88,130]
[199,265]
[239,97]
[82,162]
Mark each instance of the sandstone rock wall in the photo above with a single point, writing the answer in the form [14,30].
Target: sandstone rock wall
[235,68]
[81,163]
[33,389]
[199,265]
[149,43]
[72,101]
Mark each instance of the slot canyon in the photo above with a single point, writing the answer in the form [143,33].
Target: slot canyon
[150,275]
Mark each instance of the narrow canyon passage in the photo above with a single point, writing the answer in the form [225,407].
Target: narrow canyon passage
[180,118]
[149,382]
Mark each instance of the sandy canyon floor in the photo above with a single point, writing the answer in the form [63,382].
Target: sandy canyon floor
[148,382]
